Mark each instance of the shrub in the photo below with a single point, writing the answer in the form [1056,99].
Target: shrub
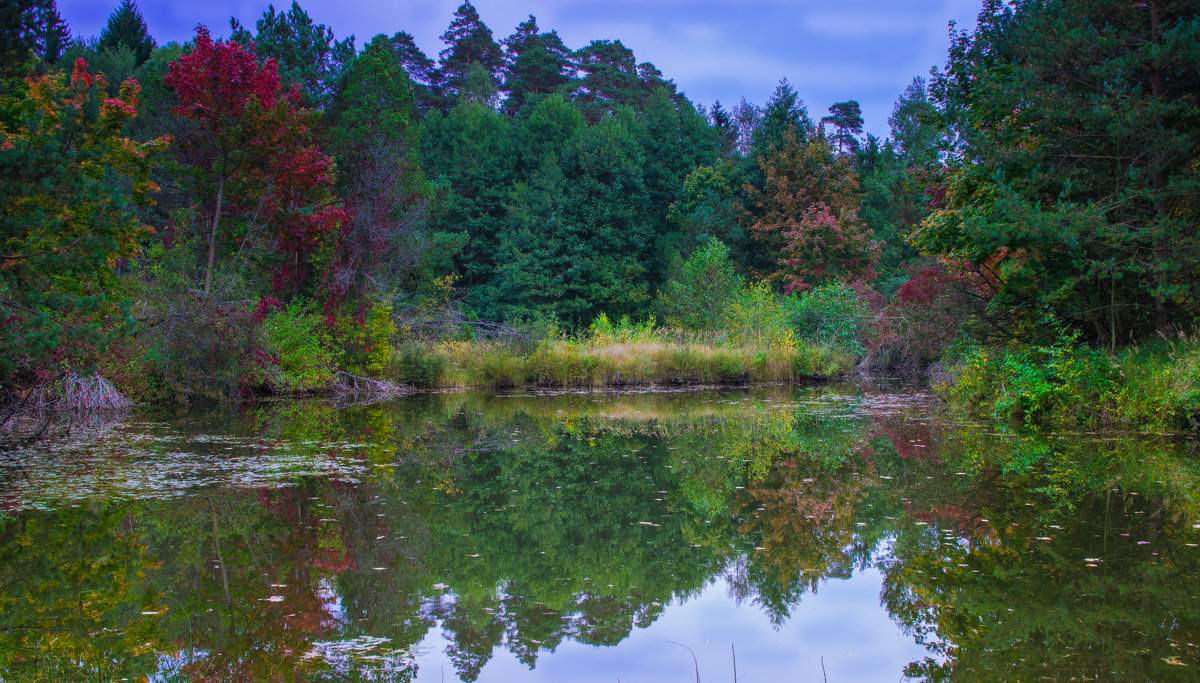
[297,344]
[1032,384]
[830,314]
[755,316]
[705,284]
[416,364]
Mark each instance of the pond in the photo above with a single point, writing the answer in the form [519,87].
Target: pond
[834,533]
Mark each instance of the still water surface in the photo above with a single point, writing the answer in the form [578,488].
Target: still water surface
[767,534]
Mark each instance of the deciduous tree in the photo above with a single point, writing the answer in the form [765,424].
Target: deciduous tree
[251,154]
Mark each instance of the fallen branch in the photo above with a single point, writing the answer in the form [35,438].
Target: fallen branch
[366,389]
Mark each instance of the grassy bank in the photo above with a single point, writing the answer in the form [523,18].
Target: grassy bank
[1150,386]
[591,363]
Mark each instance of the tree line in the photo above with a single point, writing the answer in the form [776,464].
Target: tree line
[179,196]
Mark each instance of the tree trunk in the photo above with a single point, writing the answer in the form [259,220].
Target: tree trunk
[212,237]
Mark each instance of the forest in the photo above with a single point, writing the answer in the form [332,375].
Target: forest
[284,212]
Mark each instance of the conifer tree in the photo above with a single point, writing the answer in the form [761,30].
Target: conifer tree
[608,77]
[847,121]
[53,34]
[1074,176]
[306,52]
[784,112]
[18,35]
[127,27]
[468,42]
[421,70]
[535,64]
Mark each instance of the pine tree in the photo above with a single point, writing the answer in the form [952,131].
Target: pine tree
[608,78]
[420,69]
[375,140]
[784,112]
[53,34]
[127,27]
[726,129]
[18,35]
[535,64]
[847,121]
[468,42]
[1076,166]
[306,53]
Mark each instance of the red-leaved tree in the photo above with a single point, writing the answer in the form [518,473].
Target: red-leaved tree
[806,214]
[255,168]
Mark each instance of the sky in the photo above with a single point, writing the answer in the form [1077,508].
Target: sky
[829,50]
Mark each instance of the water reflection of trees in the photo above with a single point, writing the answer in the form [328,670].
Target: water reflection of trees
[1058,558]
[525,523]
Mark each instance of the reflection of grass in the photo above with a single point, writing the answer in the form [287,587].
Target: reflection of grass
[566,363]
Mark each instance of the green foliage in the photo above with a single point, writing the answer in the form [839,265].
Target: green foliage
[299,346]
[705,285]
[307,53]
[72,182]
[831,314]
[416,364]
[604,331]
[365,346]
[204,353]
[1096,228]
[756,316]
[1032,384]
[127,29]
[471,54]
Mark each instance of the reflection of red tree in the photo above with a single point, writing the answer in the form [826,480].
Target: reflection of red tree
[805,518]
[277,602]
[912,439]
[967,521]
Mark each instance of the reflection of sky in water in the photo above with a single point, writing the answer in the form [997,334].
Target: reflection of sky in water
[843,623]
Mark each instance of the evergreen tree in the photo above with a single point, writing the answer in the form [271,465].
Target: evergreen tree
[784,112]
[1075,174]
[535,64]
[916,135]
[847,121]
[306,53]
[71,184]
[725,129]
[421,70]
[608,78]
[468,42]
[19,21]
[127,27]
[376,144]
[53,34]
[471,152]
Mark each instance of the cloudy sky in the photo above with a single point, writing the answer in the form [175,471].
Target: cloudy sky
[866,50]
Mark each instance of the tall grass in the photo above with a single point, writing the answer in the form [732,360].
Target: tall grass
[615,361]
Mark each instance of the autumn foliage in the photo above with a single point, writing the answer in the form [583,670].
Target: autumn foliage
[807,212]
[72,181]
[257,167]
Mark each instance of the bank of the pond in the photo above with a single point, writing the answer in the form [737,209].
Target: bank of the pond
[1148,386]
[568,363]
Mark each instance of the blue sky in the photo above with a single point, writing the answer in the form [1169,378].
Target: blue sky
[867,50]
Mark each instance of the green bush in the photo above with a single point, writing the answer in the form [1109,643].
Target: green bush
[704,285]
[830,314]
[1032,384]
[416,364]
[298,343]
[755,316]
